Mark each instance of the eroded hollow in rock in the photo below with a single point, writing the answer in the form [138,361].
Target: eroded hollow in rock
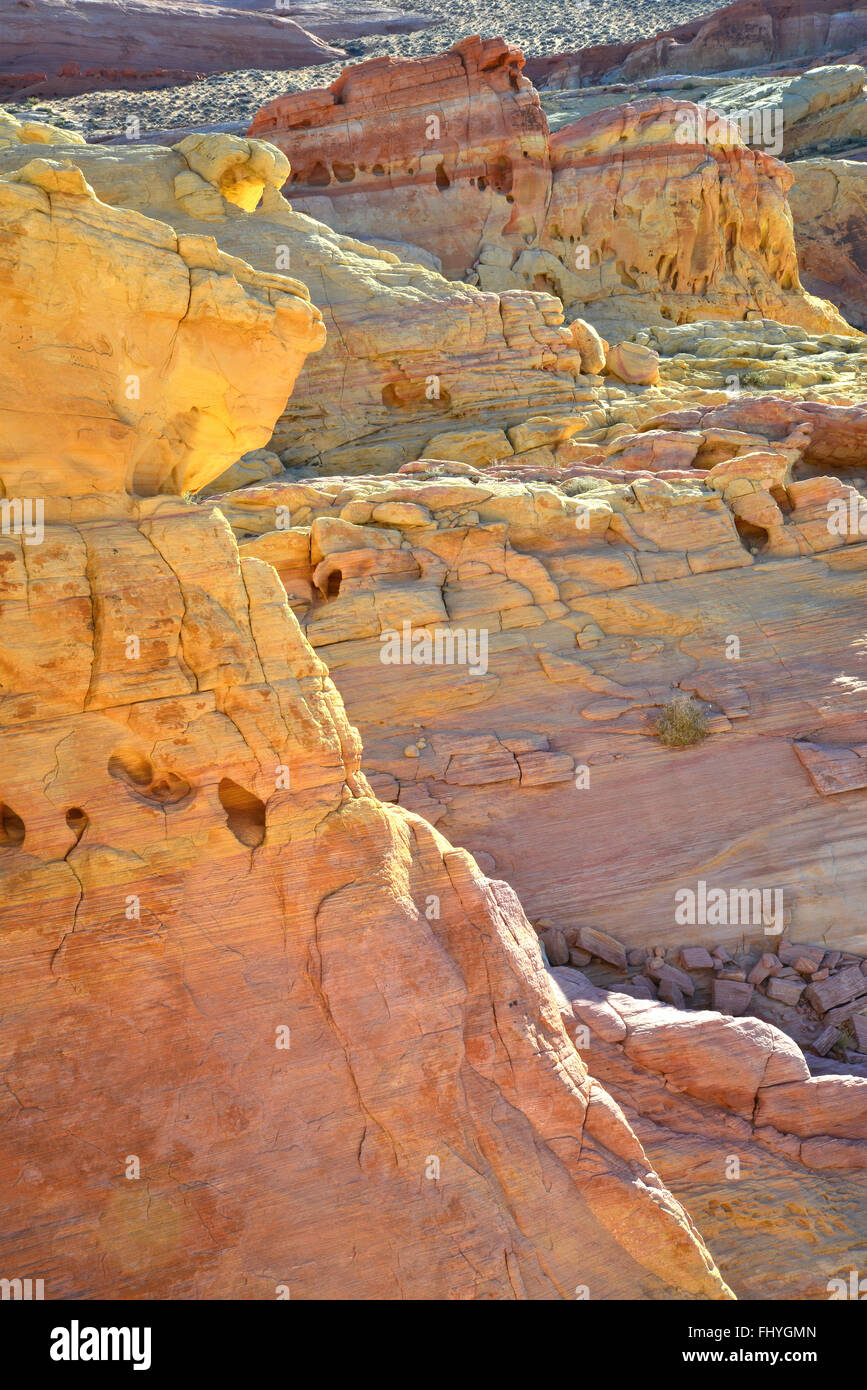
[754,538]
[12,828]
[131,768]
[332,587]
[499,174]
[77,820]
[414,395]
[245,813]
[317,177]
[156,788]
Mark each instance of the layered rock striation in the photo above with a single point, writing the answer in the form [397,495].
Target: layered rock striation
[710,554]
[646,210]
[407,351]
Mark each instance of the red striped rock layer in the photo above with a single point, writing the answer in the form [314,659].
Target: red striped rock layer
[643,205]
[453,146]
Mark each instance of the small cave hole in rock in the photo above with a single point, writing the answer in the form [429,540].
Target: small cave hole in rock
[12,829]
[753,538]
[332,587]
[77,821]
[344,173]
[442,179]
[499,172]
[319,176]
[245,813]
[781,497]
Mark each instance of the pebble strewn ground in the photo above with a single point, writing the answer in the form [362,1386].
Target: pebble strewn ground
[538,26]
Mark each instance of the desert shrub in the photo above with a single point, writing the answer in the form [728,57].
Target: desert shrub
[682,722]
[575,487]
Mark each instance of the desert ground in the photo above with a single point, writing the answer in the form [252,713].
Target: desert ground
[234,97]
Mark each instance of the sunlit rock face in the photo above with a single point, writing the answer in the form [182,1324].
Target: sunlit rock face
[407,350]
[263,1035]
[454,146]
[155,383]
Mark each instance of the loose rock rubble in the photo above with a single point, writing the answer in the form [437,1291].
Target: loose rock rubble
[817,997]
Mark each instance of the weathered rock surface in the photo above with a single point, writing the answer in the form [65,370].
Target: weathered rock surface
[56,47]
[816,109]
[829,207]
[265,973]
[453,146]
[411,357]
[746,34]
[615,210]
[237,991]
[755,1148]
[620,587]
[407,351]
[184,356]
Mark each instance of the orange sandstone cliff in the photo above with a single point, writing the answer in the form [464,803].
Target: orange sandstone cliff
[260,1030]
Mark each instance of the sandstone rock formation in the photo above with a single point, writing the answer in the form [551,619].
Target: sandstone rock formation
[422,362]
[755,1148]
[821,108]
[829,207]
[56,47]
[176,322]
[407,350]
[619,594]
[453,147]
[260,985]
[619,214]
[619,582]
[746,34]
[239,994]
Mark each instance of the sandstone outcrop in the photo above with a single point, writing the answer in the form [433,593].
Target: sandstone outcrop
[589,593]
[792,115]
[829,207]
[753,1145]
[239,992]
[407,351]
[418,357]
[57,47]
[657,565]
[746,34]
[620,214]
[449,152]
[260,984]
[176,324]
